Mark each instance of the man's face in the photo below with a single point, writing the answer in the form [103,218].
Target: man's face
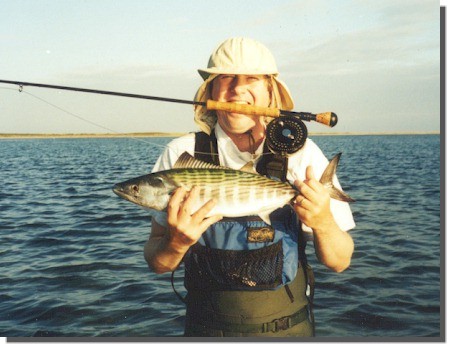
[244,89]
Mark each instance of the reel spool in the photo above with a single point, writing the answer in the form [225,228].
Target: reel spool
[286,135]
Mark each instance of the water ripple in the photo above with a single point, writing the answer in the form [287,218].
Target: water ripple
[71,252]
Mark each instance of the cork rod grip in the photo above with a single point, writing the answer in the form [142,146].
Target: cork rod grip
[243,108]
[327,118]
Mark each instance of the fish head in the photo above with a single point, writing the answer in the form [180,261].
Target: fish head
[149,191]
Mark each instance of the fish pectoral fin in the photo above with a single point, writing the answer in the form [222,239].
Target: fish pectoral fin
[185,160]
[265,216]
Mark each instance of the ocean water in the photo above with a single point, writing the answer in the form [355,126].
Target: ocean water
[71,252]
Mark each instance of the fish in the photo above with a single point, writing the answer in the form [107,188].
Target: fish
[237,192]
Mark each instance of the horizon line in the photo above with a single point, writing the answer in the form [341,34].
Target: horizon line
[175,134]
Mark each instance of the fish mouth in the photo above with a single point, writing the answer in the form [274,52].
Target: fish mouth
[121,191]
[118,190]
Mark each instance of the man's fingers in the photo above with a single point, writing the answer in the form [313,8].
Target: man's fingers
[190,199]
[205,209]
[300,200]
[210,221]
[311,181]
[309,173]
[174,203]
[200,215]
[178,196]
[304,188]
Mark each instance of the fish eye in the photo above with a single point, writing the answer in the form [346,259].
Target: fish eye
[158,182]
[135,188]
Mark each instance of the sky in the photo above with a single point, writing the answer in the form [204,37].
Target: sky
[375,63]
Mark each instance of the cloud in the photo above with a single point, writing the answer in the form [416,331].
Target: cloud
[403,99]
[385,46]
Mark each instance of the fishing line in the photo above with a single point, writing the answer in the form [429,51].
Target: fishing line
[81,118]
[21,90]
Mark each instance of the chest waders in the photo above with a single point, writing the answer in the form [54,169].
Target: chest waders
[250,290]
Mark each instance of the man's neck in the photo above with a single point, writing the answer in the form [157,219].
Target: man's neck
[248,141]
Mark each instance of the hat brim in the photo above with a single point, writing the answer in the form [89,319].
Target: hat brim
[205,73]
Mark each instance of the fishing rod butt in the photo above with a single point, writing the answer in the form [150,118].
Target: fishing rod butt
[327,118]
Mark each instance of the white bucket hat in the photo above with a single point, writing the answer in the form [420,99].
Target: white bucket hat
[239,56]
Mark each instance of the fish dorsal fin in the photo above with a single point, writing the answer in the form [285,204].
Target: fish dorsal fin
[187,161]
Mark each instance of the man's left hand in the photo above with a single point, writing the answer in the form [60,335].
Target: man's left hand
[313,203]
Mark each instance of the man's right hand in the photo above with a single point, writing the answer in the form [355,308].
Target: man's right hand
[185,228]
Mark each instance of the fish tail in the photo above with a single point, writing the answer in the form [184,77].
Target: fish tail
[327,180]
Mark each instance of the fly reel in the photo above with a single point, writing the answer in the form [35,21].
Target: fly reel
[286,135]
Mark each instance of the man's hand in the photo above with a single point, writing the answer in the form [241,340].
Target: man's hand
[333,247]
[313,204]
[184,227]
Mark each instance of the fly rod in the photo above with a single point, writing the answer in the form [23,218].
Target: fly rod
[327,118]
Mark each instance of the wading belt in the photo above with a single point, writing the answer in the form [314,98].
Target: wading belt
[276,325]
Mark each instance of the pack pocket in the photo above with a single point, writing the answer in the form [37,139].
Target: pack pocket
[215,269]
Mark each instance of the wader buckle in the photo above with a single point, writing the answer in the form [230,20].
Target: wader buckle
[281,324]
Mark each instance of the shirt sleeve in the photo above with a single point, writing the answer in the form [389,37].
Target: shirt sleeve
[173,151]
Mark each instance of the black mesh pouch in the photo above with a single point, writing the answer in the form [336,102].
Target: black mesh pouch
[215,269]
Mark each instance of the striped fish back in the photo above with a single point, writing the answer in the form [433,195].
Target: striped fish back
[232,187]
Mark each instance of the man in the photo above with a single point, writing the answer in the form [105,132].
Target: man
[238,283]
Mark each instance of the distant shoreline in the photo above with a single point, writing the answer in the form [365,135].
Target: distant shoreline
[160,134]
[376,134]
[84,136]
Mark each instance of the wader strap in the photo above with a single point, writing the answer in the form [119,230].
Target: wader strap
[206,147]
[308,274]
[310,279]
[272,165]
[276,325]
[172,279]
[289,293]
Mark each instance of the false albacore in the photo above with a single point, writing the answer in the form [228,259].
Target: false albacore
[237,193]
